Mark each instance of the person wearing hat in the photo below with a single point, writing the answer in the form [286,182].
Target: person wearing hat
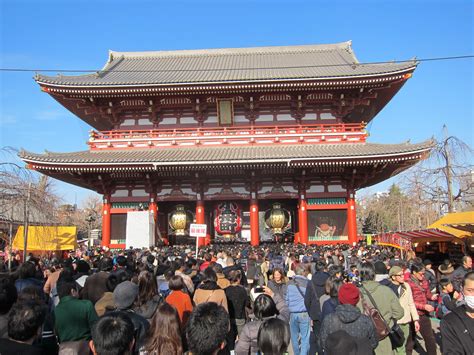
[396,283]
[124,296]
[348,318]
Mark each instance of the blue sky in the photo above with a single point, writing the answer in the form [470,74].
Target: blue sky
[78,34]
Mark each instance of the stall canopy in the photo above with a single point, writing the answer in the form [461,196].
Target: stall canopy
[427,235]
[42,238]
[458,218]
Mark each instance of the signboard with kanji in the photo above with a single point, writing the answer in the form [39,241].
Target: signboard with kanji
[198,230]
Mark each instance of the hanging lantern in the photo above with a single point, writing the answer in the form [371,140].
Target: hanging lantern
[277,219]
[179,220]
[228,221]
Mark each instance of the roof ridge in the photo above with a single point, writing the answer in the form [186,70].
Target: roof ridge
[234,51]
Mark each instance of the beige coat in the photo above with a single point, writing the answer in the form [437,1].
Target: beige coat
[217,296]
[408,305]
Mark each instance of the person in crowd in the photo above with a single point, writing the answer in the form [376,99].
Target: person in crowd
[8,296]
[74,318]
[252,270]
[148,298]
[207,329]
[430,275]
[381,272]
[300,322]
[329,306]
[278,282]
[447,301]
[25,320]
[209,290]
[445,269]
[96,284]
[222,281]
[457,327]
[349,318]
[181,267]
[125,295]
[52,278]
[164,337]
[27,277]
[396,283]
[265,268]
[237,301]
[386,301]
[458,275]
[206,263]
[179,299]
[81,272]
[106,303]
[232,265]
[273,337]
[339,342]
[267,305]
[421,296]
[112,334]
[316,289]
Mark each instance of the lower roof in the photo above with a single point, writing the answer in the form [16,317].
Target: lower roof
[228,154]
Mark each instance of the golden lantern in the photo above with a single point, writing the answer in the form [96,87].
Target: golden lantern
[277,218]
[180,220]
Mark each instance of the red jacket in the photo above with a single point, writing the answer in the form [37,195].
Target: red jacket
[421,294]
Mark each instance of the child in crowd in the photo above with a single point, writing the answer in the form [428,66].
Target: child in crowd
[447,298]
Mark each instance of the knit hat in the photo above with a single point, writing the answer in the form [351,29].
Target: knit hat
[395,270]
[380,268]
[427,262]
[349,294]
[125,294]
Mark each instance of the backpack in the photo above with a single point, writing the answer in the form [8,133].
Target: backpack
[370,310]
[441,309]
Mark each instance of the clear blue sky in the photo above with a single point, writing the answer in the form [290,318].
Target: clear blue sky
[78,34]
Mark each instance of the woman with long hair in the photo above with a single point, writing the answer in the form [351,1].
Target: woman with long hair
[209,290]
[164,336]
[148,298]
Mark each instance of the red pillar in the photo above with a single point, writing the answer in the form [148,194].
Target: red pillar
[106,221]
[351,219]
[303,222]
[201,219]
[254,225]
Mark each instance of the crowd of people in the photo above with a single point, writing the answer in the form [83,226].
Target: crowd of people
[235,299]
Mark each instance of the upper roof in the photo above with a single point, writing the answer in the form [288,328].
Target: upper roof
[227,65]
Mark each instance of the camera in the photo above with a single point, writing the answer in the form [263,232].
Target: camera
[259,289]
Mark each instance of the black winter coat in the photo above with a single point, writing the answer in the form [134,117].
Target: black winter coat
[457,333]
[316,288]
[352,321]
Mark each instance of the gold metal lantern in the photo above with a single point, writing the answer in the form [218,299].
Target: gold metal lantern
[277,218]
[180,220]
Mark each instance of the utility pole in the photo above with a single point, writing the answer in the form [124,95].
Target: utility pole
[448,170]
[25,222]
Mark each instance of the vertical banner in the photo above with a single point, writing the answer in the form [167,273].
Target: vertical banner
[369,239]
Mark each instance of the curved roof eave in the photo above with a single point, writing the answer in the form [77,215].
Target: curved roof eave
[258,82]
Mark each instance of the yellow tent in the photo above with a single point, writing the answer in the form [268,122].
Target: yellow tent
[47,238]
[454,218]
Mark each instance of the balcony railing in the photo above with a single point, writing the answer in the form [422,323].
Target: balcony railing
[288,134]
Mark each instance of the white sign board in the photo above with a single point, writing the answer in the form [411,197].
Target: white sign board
[140,229]
[198,230]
